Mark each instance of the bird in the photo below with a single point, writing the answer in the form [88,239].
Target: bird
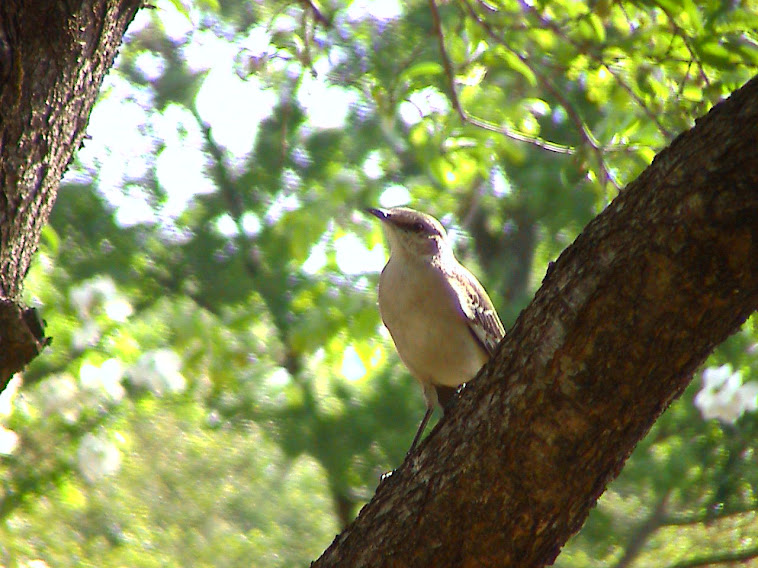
[440,318]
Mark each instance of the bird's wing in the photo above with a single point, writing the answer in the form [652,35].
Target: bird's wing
[477,308]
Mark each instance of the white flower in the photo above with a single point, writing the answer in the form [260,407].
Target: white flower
[85,336]
[85,297]
[118,309]
[97,458]
[59,395]
[158,371]
[100,292]
[8,395]
[8,441]
[423,103]
[104,379]
[35,564]
[724,396]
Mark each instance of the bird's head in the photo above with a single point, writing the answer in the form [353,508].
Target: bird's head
[412,232]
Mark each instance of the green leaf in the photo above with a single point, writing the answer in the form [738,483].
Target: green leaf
[423,69]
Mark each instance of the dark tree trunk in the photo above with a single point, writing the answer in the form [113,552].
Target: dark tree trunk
[53,57]
[623,319]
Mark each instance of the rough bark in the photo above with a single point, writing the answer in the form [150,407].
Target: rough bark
[53,57]
[623,319]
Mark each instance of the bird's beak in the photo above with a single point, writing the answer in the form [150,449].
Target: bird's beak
[380,214]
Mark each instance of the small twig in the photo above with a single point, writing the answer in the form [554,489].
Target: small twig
[681,33]
[317,15]
[686,77]
[518,136]
[478,122]
[684,520]
[595,57]
[573,115]
[718,558]
[486,6]
[623,84]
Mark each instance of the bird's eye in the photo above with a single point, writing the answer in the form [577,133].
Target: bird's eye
[418,227]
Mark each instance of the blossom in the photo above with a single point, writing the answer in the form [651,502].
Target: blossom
[8,441]
[158,371]
[724,396]
[105,379]
[97,458]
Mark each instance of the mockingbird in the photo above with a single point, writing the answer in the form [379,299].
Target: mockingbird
[440,317]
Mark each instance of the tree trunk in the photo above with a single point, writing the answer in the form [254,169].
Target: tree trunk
[53,57]
[621,322]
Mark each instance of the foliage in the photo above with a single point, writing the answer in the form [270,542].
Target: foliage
[219,390]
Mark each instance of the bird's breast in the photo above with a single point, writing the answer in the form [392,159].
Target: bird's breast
[423,315]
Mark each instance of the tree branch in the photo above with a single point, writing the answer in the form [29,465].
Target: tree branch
[640,535]
[718,558]
[478,122]
[707,517]
[53,57]
[545,23]
[623,318]
[582,129]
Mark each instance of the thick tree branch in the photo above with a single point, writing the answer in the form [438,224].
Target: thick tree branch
[53,57]
[623,319]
